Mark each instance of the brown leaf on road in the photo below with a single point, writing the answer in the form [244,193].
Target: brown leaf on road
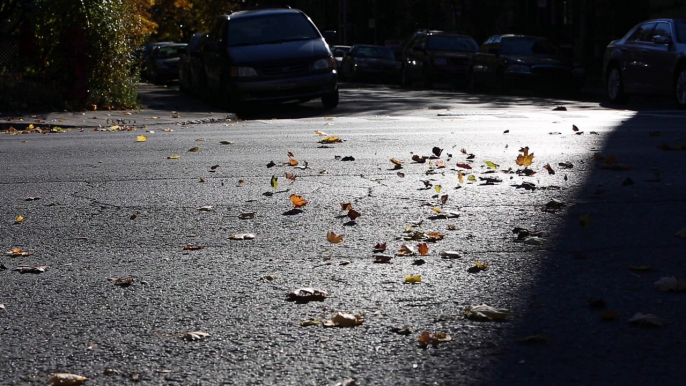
[429,339]
[647,320]
[343,319]
[121,281]
[242,236]
[66,379]
[423,249]
[397,164]
[291,177]
[463,165]
[549,169]
[406,250]
[575,128]
[195,335]
[334,238]
[353,214]
[346,206]
[247,215]
[380,247]
[193,247]
[382,258]
[437,151]
[307,294]
[420,160]
[31,269]
[298,201]
[444,199]
[525,159]
[18,252]
[194,149]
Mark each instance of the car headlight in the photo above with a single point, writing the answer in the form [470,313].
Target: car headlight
[579,71]
[441,61]
[519,69]
[323,64]
[243,72]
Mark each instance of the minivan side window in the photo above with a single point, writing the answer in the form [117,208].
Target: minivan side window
[662,29]
[642,33]
[271,29]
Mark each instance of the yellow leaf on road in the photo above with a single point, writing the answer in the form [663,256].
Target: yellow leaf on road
[19,219]
[175,156]
[525,159]
[298,201]
[141,138]
[334,238]
[413,279]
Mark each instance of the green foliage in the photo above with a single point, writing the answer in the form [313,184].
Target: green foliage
[85,50]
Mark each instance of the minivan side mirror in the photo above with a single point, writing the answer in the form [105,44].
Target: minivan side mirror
[659,39]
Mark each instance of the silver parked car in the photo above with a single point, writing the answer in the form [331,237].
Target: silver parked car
[650,59]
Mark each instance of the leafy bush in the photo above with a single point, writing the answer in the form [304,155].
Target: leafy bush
[84,49]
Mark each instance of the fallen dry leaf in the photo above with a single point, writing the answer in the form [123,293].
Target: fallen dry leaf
[247,215]
[141,138]
[19,219]
[206,208]
[382,258]
[648,320]
[413,279]
[486,313]
[307,294]
[310,322]
[18,252]
[353,214]
[195,335]
[175,156]
[525,159]
[342,319]
[331,140]
[406,250]
[298,201]
[193,247]
[423,249]
[450,255]
[66,379]
[429,339]
[31,269]
[226,142]
[242,236]
[477,267]
[334,238]
[274,182]
[121,281]
[194,149]
[397,164]
[548,168]
[671,284]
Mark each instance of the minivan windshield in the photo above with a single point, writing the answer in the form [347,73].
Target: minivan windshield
[270,29]
[521,45]
[451,43]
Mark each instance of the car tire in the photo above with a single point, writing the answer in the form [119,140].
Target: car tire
[680,87]
[615,87]
[501,83]
[330,101]
[405,80]
[426,78]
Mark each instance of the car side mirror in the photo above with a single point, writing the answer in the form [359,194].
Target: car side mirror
[659,39]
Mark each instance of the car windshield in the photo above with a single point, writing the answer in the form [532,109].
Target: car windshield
[528,46]
[171,51]
[270,29]
[375,52]
[681,31]
[451,43]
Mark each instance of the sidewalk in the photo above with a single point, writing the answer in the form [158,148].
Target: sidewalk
[160,106]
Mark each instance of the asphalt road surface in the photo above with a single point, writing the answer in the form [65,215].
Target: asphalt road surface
[601,231]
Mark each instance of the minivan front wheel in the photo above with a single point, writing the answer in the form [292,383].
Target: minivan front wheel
[330,100]
[615,87]
[680,88]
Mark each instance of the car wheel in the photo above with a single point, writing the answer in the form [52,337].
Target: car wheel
[501,83]
[615,87]
[330,100]
[405,80]
[426,78]
[680,88]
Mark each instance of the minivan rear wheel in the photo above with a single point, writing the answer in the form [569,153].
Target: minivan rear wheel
[330,100]
[615,87]
[680,88]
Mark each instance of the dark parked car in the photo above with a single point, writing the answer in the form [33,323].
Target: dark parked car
[165,62]
[650,59]
[338,53]
[437,56]
[370,62]
[190,63]
[144,54]
[267,55]
[520,61]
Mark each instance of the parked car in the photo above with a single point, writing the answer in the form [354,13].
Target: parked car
[190,63]
[649,59]
[338,53]
[370,62]
[437,56]
[521,61]
[165,64]
[267,55]
[144,55]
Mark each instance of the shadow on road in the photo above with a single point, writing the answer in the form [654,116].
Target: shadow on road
[614,238]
